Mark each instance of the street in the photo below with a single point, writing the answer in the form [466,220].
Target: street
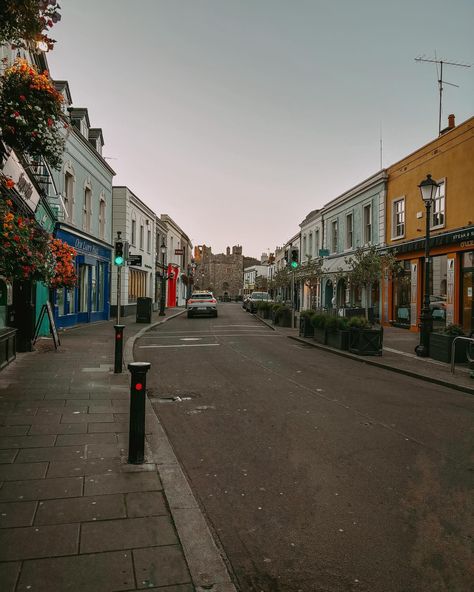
[315,472]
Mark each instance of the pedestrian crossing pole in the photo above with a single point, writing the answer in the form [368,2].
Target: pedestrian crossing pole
[119,260]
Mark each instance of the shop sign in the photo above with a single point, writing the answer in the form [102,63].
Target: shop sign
[179,251]
[86,247]
[23,184]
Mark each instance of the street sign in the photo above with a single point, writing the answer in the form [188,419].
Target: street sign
[179,251]
[134,260]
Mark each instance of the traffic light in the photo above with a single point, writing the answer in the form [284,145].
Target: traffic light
[294,264]
[118,256]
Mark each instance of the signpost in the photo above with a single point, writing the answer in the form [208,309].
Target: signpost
[134,260]
[46,309]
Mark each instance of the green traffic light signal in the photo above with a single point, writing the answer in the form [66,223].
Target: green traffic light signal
[118,257]
[118,260]
[294,264]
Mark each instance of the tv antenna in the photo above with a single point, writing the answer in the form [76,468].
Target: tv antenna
[440,78]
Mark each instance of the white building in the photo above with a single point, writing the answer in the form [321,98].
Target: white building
[178,257]
[136,223]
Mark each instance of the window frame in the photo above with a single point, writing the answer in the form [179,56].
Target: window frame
[334,235]
[367,221]
[394,224]
[349,231]
[433,226]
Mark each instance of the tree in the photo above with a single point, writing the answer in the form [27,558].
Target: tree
[367,267]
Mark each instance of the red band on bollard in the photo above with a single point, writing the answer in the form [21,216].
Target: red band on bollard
[138,386]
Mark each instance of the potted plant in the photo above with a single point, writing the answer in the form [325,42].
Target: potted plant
[306,328]
[283,316]
[441,343]
[264,309]
[337,332]
[319,326]
[365,339]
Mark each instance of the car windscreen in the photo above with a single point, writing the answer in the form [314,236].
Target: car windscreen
[260,296]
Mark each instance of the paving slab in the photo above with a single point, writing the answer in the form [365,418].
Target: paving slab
[62,428]
[78,439]
[81,467]
[40,489]
[160,566]
[23,471]
[8,456]
[27,441]
[51,453]
[9,573]
[35,541]
[101,572]
[121,483]
[129,533]
[81,509]
[148,503]
[14,514]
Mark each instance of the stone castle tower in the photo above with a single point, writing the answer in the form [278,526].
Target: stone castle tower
[221,273]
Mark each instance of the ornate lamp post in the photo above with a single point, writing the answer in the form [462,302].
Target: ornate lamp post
[163,280]
[428,189]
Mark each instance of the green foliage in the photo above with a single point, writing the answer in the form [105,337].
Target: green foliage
[282,278]
[368,264]
[307,313]
[264,305]
[453,329]
[27,21]
[282,312]
[336,323]
[358,323]
[319,321]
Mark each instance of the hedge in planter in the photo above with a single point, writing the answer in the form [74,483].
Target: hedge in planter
[319,325]
[442,342]
[306,327]
[364,339]
[264,309]
[337,333]
[283,316]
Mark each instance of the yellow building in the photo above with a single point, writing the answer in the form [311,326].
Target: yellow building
[449,159]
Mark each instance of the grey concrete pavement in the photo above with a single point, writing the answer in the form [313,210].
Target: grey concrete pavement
[74,515]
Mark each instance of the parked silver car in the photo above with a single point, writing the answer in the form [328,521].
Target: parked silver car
[202,303]
[254,299]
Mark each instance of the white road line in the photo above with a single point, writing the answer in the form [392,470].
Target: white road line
[181,345]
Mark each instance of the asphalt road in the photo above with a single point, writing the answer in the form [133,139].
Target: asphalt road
[316,473]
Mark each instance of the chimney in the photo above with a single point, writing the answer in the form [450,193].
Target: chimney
[451,123]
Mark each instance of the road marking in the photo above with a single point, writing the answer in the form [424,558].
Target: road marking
[180,345]
[190,338]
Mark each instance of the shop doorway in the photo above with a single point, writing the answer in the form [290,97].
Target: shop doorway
[467,302]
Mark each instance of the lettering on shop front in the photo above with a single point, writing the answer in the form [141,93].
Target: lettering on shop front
[86,247]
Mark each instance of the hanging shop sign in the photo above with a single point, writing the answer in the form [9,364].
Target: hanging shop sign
[23,184]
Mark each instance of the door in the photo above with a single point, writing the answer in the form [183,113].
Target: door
[467,302]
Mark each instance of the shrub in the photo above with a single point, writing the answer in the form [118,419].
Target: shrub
[319,321]
[281,312]
[358,323]
[336,323]
[453,330]
[264,305]
[307,314]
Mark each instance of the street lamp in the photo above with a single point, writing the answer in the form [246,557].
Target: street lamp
[163,279]
[428,189]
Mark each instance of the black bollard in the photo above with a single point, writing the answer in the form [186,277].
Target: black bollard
[136,439]
[118,348]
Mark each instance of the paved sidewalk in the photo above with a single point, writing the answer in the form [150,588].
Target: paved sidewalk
[399,356]
[74,516]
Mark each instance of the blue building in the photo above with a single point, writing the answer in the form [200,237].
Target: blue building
[84,214]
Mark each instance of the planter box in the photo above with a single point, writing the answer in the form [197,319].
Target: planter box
[306,328]
[319,335]
[440,348]
[284,320]
[7,346]
[366,342]
[263,314]
[338,339]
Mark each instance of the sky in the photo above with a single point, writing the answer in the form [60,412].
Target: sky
[239,117]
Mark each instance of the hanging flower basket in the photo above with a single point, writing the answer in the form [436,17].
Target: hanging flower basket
[24,247]
[64,271]
[23,21]
[30,113]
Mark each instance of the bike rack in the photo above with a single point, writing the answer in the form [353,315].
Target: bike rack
[468,350]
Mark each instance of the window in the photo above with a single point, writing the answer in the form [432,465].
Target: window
[102,219]
[304,248]
[134,232]
[334,237]
[398,218]
[148,241]
[87,210]
[438,207]
[367,224]
[316,242]
[310,244]
[349,231]
[69,195]
[141,237]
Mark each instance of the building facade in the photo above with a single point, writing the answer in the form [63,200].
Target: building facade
[221,273]
[136,223]
[449,160]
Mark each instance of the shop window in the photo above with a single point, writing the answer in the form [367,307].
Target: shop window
[398,218]
[101,286]
[94,288]
[438,289]
[401,295]
[438,208]
[83,288]
[71,299]
[60,301]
